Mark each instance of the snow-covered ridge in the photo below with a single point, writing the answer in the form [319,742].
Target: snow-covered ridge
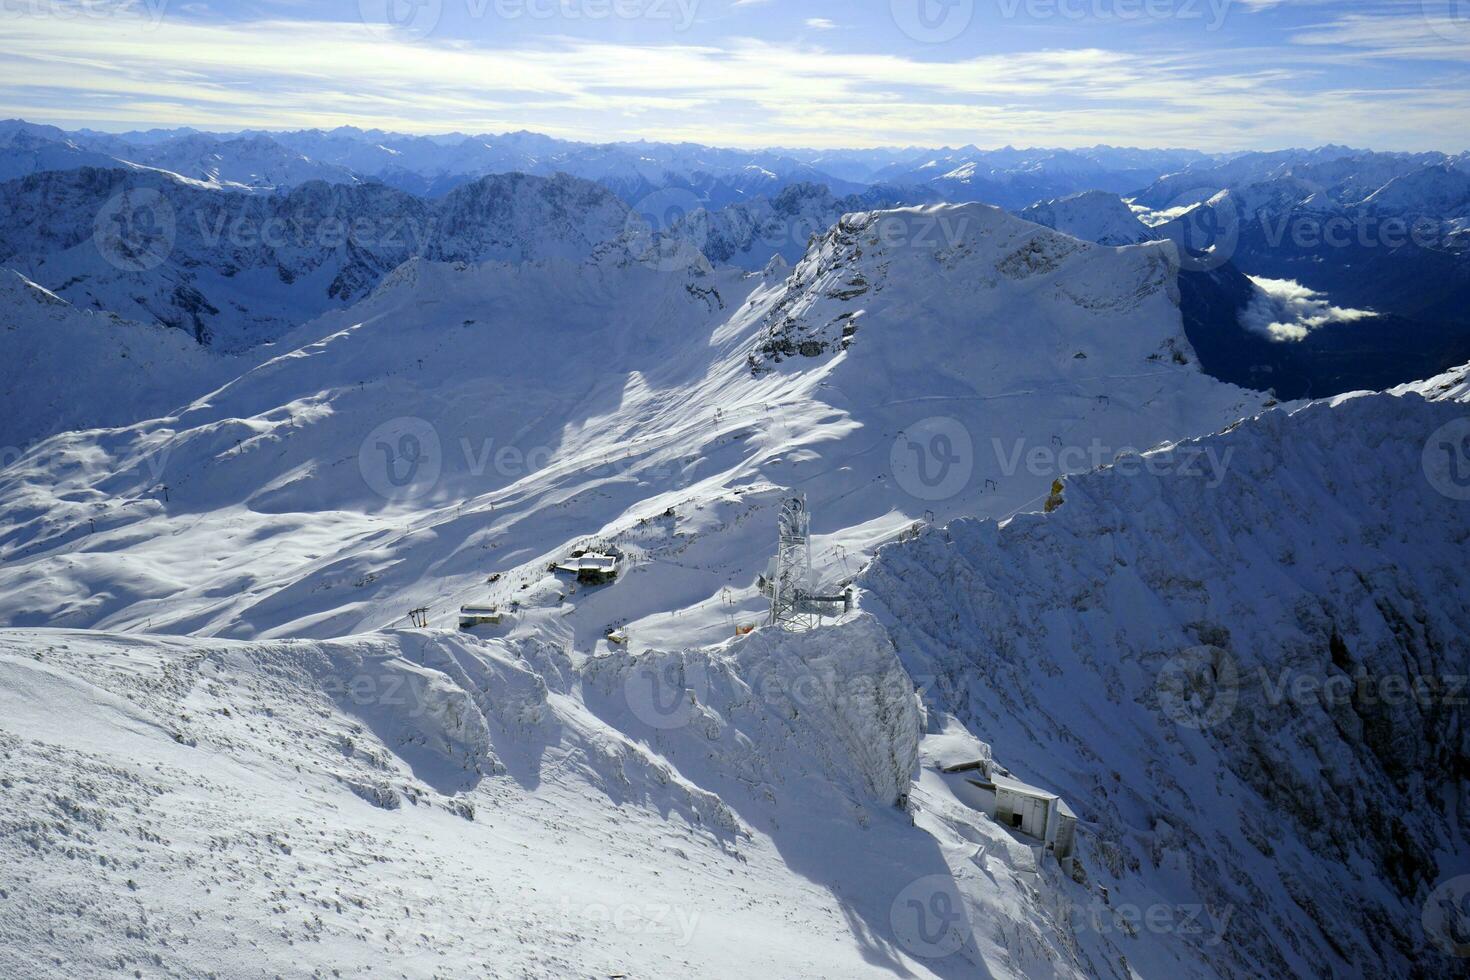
[66,368]
[619,389]
[840,282]
[1452,385]
[234,269]
[1439,192]
[1093,216]
[1207,672]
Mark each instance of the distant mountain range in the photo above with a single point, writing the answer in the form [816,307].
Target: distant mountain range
[236,270]
[267,230]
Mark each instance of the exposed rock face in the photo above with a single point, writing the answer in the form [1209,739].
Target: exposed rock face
[1251,685]
[234,269]
[750,234]
[977,248]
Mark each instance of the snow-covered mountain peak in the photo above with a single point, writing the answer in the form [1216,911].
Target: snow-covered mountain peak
[1093,216]
[948,264]
[1436,192]
[235,269]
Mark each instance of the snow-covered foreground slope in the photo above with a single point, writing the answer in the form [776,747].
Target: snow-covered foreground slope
[1253,693]
[536,799]
[423,803]
[953,360]
[1159,649]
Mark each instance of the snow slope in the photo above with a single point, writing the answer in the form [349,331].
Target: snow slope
[445,803]
[77,369]
[1218,678]
[215,734]
[1093,216]
[436,804]
[624,399]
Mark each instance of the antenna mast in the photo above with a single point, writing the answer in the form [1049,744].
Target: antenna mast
[791,581]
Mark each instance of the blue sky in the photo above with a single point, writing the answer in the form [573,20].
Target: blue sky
[1214,74]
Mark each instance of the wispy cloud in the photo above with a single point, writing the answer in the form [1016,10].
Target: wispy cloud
[741,90]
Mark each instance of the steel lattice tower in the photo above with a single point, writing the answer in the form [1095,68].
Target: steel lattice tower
[791,581]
